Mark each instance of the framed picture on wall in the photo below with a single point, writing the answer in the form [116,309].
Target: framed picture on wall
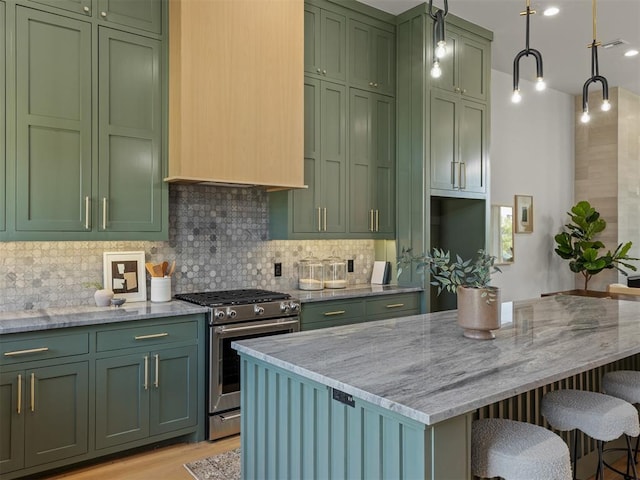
[124,273]
[524,214]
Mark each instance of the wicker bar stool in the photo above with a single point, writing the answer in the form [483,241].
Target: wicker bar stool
[517,451]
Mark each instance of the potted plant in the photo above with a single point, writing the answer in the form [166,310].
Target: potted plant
[478,302]
[576,244]
[102,296]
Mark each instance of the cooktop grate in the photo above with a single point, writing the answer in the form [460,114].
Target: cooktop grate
[231,297]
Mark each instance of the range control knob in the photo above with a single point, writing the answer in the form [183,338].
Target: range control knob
[284,306]
[231,313]
[219,314]
[295,307]
[258,310]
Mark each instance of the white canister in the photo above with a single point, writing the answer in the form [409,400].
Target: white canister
[160,289]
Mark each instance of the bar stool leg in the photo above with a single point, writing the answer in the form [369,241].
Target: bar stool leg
[630,455]
[574,437]
[600,474]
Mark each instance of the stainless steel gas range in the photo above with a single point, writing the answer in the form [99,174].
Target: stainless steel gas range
[237,315]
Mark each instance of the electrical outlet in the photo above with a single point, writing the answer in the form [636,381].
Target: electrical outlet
[350,266]
[277,269]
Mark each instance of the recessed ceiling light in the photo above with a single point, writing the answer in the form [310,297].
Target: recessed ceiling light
[631,53]
[551,11]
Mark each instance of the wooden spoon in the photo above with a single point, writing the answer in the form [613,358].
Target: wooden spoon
[165,268]
[157,270]
[150,269]
[172,268]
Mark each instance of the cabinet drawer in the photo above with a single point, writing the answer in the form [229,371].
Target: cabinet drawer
[332,311]
[146,335]
[389,304]
[42,347]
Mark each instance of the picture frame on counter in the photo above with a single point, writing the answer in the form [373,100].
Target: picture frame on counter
[523,214]
[124,273]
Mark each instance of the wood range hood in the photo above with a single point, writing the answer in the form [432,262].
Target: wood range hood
[236,94]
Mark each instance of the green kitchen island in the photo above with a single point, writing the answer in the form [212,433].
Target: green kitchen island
[395,399]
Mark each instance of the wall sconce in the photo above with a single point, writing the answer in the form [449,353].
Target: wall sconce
[595,76]
[540,85]
[439,42]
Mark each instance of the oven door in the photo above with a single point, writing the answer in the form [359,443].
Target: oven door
[224,366]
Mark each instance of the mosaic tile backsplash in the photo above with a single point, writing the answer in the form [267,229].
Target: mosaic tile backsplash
[218,237]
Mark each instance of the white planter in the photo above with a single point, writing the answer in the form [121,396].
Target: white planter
[103,297]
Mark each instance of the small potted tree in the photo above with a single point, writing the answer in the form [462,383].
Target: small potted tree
[577,244]
[478,302]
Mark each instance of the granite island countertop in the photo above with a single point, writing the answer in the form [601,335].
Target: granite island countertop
[63,317]
[423,368]
[351,291]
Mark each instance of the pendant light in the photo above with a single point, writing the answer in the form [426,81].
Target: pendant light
[439,41]
[595,76]
[540,85]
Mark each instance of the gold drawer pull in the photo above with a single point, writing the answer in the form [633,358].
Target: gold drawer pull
[395,305]
[146,372]
[156,383]
[19,394]
[24,352]
[153,335]
[337,312]
[33,392]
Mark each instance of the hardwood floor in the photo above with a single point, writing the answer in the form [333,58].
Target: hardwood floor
[163,463]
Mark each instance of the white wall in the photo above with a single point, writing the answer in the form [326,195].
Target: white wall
[532,153]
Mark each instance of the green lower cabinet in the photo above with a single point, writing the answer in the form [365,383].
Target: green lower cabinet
[44,415]
[3,144]
[145,394]
[334,313]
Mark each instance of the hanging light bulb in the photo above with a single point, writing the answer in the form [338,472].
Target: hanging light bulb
[436,71]
[595,75]
[439,41]
[516,97]
[540,85]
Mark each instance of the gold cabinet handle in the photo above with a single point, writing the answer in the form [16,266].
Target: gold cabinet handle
[86,212]
[337,312]
[19,409]
[463,175]
[319,219]
[153,335]
[146,372]
[156,383]
[371,220]
[453,174]
[33,392]
[377,220]
[25,352]
[395,305]
[324,219]
[103,14]
[104,213]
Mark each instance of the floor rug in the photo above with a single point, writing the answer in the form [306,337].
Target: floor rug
[225,466]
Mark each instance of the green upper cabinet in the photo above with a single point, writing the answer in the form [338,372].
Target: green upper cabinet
[325,43]
[53,101]
[465,68]
[3,110]
[372,56]
[76,6]
[89,109]
[140,14]
[372,164]
[129,137]
[458,143]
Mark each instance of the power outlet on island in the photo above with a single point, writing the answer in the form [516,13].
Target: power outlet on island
[277,269]
[350,266]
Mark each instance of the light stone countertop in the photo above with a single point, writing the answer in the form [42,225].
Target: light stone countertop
[423,368]
[352,291]
[63,317]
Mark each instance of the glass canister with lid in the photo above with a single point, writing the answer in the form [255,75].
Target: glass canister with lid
[335,272]
[310,274]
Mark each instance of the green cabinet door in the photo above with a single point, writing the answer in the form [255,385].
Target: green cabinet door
[129,134]
[53,122]
[473,147]
[141,14]
[56,416]
[76,6]
[174,402]
[325,43]
[122,399]
[3,110]
[384,178]
[443,132]
[372,58]
[12,413]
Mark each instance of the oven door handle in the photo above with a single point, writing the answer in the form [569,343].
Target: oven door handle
[231,330]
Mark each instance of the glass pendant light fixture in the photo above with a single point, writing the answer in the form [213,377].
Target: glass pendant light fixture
[439,41]
[595,76]
[540,85]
